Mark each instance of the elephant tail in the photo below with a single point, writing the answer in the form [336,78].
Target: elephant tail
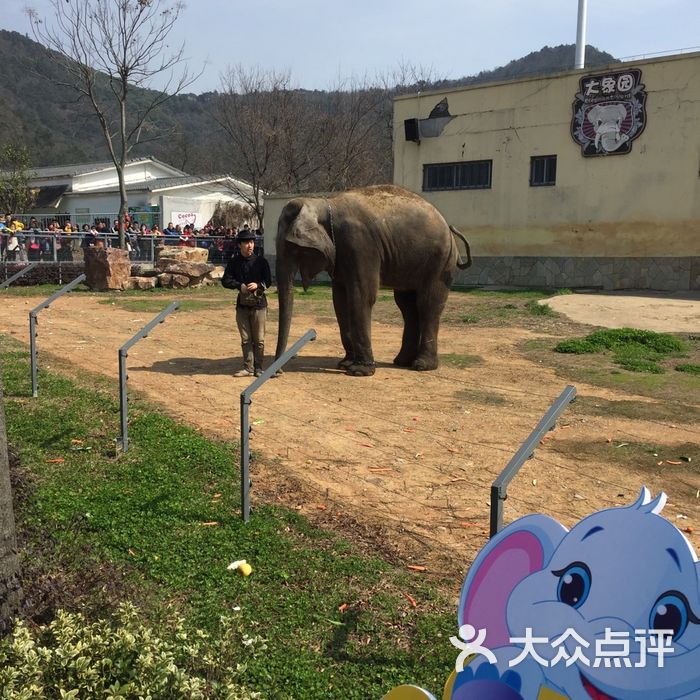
[461,264]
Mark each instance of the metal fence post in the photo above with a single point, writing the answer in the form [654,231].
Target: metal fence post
[123,441]
[32,351]
[246,401]
[33,322]
[499,487]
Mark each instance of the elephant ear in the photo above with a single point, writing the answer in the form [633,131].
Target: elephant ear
[307,231]
[516,552]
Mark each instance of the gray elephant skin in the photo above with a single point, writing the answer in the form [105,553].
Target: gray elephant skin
[380,235]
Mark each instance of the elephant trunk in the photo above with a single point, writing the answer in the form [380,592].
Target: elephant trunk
[284,270]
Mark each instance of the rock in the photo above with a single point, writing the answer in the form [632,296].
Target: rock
[184,254]
[106,268]
[189,269]
[165,280]
[180,281]
[217,273]
[141,282]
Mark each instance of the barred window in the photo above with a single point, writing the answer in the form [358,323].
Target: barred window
[543,171]
[468,175]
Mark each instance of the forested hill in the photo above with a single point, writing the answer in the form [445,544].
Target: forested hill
[545,61]
[37,111]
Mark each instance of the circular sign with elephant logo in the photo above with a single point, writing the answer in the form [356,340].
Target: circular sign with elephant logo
[609,112]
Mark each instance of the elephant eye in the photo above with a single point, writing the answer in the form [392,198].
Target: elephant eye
[574,584]
[670,612]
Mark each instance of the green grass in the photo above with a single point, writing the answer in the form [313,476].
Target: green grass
[675,391]
[689,369]
[537,309]
[461,361]
[633,349]
[86,509]
[485,398]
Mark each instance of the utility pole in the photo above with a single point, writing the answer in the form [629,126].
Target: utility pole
[581,34]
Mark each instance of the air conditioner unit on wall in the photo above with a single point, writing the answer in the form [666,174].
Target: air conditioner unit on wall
[412,130]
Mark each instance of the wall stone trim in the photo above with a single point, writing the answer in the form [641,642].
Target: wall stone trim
[658,274]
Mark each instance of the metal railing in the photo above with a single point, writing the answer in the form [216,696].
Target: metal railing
[123,441]
[33,321]
[17,275]
[499,487]
[246,401]
[47,247]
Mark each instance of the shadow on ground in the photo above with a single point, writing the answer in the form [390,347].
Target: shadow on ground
[228,365]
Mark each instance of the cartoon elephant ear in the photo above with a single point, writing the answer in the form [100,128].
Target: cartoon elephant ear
[519,550]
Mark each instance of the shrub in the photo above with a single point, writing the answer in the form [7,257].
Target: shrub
[539,309]
[576,347]
[634,349]
[690,369]
[616,337]
[123,658]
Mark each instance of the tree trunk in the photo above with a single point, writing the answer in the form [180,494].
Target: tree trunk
[10,590]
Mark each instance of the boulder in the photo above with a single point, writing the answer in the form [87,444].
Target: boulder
[189,269]
[106,268]
[141,282]
[183,254]
[165,280]
[216,274]
[180,281]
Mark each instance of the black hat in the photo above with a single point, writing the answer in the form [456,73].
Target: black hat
[245,235]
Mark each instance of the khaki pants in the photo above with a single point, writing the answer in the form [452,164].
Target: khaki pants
[251,326]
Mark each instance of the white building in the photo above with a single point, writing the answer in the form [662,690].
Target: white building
[157,193]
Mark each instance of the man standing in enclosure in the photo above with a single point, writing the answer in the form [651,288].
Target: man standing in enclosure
[250,275]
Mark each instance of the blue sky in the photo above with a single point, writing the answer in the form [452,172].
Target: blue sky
[323,41]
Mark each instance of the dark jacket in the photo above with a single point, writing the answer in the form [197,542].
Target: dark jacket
[241,270]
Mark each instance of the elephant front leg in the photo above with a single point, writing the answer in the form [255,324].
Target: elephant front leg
[359,310]
[406,301]
[340,304]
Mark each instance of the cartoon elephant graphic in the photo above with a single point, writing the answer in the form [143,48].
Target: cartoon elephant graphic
[608,610]
[607,122]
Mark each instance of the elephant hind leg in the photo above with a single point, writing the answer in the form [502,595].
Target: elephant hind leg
[406,301]
[430,303]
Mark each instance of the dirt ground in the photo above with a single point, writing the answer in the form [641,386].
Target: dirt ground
[401,462]
[654,311]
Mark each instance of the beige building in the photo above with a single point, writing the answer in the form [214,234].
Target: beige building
[589,178]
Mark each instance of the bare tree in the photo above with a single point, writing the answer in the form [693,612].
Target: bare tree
[282,138]
[108,48]
[360,151]
[10,590]
[252,110]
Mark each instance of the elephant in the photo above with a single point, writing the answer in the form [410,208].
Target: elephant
[364,238]
[607,122]
[573,614]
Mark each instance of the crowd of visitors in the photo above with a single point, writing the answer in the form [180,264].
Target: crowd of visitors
[56,241]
